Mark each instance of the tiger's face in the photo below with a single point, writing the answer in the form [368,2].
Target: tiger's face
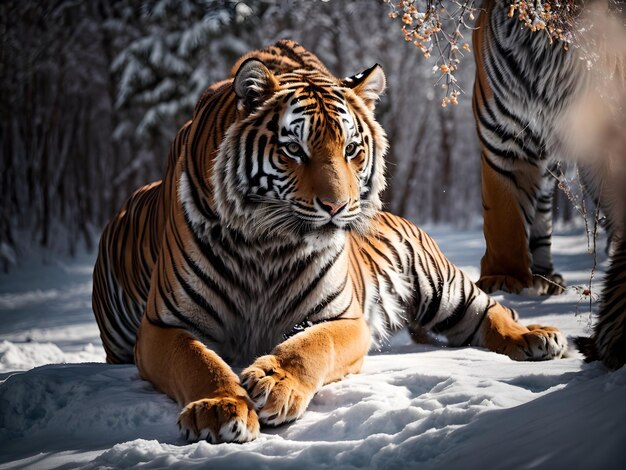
[307,156]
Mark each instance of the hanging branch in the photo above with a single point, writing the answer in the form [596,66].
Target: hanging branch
[438,28]
[556,18]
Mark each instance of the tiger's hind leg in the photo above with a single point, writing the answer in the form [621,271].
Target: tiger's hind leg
[449,305]
[500,332]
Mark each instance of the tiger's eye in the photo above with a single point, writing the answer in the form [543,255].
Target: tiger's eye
[294,148]
[350,149]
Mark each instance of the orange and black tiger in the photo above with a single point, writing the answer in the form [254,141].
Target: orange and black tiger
[264,247]
[536,104]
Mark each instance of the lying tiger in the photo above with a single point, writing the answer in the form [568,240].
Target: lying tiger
[264,246]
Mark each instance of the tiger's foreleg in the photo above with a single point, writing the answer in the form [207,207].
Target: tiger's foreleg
[216,407]
[283,383]
[517,244]
[506,262]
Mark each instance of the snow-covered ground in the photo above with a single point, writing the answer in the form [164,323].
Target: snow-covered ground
[412,405]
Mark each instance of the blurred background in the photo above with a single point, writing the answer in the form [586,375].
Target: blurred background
[92,92]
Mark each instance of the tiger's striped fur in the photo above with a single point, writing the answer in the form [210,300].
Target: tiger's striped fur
[535,104]
[264,246]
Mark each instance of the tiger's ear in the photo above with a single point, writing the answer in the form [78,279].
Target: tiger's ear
[254,83]
[369,84]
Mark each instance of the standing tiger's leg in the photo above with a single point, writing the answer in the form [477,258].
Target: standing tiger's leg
[545,281]
[513,157]
[507,211]
[610,331]
[216,407]
[283,383]
[508,207]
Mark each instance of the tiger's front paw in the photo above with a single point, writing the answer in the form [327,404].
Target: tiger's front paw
[278,395]
[219,420]
[539,343]
[494,283]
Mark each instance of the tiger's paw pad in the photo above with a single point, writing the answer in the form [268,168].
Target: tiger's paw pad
[548,284]
[278,395]
[217,420]
[491,284]
[540,343]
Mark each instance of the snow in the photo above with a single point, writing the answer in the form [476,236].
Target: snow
[412,405]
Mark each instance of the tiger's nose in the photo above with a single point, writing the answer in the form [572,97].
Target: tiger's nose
[332,207]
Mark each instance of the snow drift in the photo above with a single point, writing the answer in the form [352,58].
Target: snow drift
[412,405]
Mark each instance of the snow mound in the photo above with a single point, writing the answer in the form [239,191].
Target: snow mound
[24,356]
[580,426]
[405,407]
[413,406]
[61,406]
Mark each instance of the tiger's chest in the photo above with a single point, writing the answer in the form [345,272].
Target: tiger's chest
[254,296]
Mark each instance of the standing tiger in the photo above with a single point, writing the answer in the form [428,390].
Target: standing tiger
[537,103]
[264,247]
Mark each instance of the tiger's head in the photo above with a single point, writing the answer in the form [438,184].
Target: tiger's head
[306,156]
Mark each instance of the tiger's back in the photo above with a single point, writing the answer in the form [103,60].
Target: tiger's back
[127,255]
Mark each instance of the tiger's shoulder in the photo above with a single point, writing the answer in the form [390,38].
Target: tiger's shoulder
[283,57]
[390,235]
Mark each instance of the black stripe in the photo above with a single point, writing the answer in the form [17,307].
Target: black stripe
[190,291]
[456,316]
[208,282]
[305,293]
[174,311]
[470,338]
[215,261]
[290,53]
[435,301]
[326,301]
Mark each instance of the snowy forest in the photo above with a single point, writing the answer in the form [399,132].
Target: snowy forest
[93,92]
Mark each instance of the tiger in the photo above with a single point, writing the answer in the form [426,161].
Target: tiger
[264,249]
[535,104]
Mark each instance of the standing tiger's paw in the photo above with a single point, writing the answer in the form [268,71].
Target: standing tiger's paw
[278,395]
[494,283]
[539,343]
[548,284]
[219,420]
